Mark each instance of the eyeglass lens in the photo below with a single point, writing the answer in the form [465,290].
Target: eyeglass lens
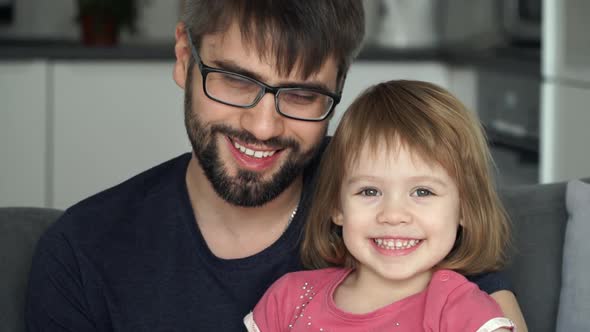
[241,91]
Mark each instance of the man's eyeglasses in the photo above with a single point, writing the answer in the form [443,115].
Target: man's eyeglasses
[237,90]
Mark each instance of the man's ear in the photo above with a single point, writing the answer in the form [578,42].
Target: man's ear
[182,50]
[337,217]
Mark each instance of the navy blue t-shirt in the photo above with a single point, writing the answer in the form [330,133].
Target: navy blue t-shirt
[132,259]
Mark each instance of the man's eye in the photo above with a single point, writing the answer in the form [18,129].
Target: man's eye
[300,97]
[236,82]
[370,192]
[422,192]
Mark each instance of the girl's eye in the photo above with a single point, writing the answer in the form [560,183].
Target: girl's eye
[370,192]
[422,192]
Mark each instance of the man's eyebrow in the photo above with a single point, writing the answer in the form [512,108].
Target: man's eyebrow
[235,68]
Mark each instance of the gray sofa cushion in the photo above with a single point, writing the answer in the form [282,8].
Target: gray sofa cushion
[539,219]
[19,230]
[574,303]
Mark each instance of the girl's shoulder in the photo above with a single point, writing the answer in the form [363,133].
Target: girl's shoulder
[452,299]
[447,284]
[445,278]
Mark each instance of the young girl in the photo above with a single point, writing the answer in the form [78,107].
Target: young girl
[404,207]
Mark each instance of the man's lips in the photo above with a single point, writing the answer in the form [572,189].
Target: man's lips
[252,152]
[252,158]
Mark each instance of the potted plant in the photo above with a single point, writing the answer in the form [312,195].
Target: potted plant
[102,20]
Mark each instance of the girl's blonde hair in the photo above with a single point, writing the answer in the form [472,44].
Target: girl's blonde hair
[436,126]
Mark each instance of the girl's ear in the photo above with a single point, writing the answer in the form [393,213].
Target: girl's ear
[337,217]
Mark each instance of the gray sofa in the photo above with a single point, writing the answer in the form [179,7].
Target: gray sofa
[539,217]
[538,213]
[19,230]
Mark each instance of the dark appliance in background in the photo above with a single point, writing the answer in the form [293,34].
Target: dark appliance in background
[522,21]
[509,94]
[508,107]
[452,24]
[6,11]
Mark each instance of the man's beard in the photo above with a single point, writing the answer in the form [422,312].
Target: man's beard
[246,188]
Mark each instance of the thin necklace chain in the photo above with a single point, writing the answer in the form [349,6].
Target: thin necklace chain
[291,217]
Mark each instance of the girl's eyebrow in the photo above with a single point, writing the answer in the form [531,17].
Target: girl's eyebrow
[412,179]
[360,178]
[430,178]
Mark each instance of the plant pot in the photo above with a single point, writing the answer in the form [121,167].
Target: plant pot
[99,30]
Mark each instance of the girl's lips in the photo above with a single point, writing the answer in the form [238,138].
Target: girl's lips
[255,160]
[395,246]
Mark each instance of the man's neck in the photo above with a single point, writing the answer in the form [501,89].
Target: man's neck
[236,232]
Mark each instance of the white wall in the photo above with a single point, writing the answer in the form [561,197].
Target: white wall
[112,120]
[363,74]
[23,133]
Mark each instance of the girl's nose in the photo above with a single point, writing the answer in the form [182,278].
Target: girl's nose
[395,211]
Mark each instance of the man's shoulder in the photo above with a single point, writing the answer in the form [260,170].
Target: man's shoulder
[142,194]
[136,189]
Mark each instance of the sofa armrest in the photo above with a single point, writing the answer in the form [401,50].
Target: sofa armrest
[539,217]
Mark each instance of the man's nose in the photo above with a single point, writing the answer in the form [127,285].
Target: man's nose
[263,121]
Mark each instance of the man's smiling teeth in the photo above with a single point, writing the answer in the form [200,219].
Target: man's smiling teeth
[392,244]
[252,153]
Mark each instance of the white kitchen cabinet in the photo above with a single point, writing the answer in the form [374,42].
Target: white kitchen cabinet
[116,119]
[23,133]
[363,74]
[70,129]
[113,119]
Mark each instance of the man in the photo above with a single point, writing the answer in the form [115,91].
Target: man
[193,243]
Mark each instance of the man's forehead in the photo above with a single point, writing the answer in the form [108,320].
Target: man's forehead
[232,46]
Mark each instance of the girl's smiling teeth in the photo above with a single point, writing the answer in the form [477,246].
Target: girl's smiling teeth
[395,244]
[253,153]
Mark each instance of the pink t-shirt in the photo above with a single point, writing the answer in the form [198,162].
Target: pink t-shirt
[303,301]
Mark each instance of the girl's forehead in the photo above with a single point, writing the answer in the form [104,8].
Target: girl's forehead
[388,152]
[382,149]
[394,157]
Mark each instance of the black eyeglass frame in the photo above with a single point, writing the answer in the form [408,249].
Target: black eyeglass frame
[205,70]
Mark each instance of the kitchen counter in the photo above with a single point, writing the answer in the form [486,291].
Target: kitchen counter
[512,59]
[523,61]
[71,50]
